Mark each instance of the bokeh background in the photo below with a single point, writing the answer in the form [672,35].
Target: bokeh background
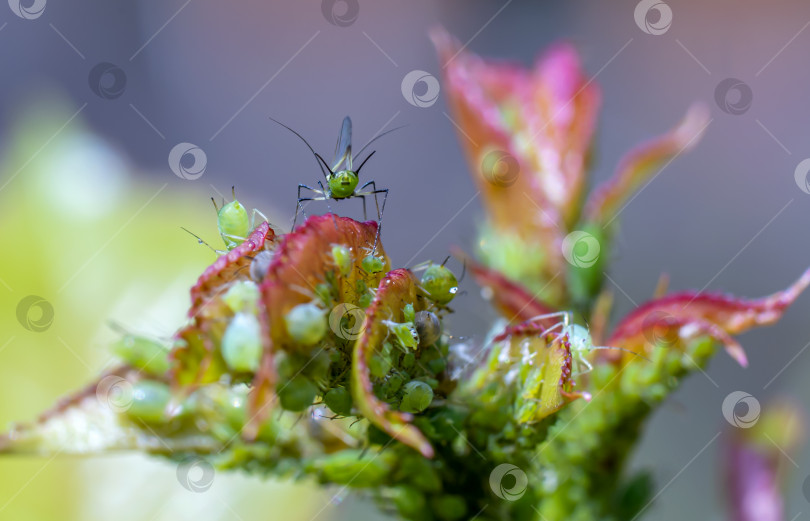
[94,95]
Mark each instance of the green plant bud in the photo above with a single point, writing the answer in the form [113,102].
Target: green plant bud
[440,284]
[297,394]
[372,264]
[149,401]
[339,401]
[242,296]
[417,396]
[343,259]
[143,353]
[306,324]
[242,343]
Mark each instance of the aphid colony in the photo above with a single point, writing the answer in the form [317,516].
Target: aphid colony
[259,303]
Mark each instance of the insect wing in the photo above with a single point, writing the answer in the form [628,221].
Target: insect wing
[343,147]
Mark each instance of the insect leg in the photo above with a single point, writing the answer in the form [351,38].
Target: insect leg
[380,210]
[300,200]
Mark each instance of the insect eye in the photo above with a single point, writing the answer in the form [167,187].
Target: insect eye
[440,284]
[306,324]
[242,343]
[428,327]
[417,396]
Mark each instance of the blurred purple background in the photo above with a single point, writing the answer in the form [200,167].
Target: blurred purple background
[728,215]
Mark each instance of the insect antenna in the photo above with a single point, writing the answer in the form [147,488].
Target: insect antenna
[445,261]
[322,163]
[364,162]
[375,138]
[199,240]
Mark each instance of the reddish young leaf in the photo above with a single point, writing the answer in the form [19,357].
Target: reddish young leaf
[398,288]
[711,314]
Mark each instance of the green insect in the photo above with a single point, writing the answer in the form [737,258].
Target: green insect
[306,324]
[417,396]
[341,177]
[234,223]
[440,283]
[579,338]
[242,343]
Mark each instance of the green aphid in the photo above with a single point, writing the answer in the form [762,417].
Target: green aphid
[343,259]
[297,394]
[379,365]
[324,293]
[234,222]
[405,333]
[408,360]
[339,401]
[306,324]
[392,384]
[143,353]
[149,401]
[365,300]
[416,397]
[408,313]
[440,284]
[242,296]
[242,343]
[372,264]
[341,177]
